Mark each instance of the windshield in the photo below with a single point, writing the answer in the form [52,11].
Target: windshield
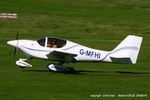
[41,42]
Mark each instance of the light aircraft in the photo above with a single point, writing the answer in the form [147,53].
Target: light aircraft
[64,51]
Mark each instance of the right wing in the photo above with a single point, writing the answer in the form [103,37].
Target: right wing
[62,56]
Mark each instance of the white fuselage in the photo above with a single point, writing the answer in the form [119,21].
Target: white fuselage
[66,51]
[33,49]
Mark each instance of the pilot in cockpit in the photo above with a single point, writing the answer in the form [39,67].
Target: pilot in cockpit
[52,44]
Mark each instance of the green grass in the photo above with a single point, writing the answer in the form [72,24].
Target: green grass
[99,24]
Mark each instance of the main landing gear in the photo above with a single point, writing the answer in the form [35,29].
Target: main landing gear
[59,68]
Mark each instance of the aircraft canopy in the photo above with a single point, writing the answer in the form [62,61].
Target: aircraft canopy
[51,42]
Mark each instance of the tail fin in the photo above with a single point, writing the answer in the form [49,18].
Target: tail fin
[127,51]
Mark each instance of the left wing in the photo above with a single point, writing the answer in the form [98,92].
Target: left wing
[62,56]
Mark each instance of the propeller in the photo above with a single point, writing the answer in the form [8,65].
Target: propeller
[16,47]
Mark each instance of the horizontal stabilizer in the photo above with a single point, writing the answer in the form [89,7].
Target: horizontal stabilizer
[121,60]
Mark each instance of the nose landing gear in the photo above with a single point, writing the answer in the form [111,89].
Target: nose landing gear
[22,64]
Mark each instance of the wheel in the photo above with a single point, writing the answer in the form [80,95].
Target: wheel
[58,68]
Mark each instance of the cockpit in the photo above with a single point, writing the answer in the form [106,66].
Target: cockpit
[51,42]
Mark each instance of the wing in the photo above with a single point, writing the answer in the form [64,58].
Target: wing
[62,56]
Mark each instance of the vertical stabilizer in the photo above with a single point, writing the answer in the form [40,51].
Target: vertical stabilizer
[127,51]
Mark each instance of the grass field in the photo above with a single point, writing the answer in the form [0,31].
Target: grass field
[100,24]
